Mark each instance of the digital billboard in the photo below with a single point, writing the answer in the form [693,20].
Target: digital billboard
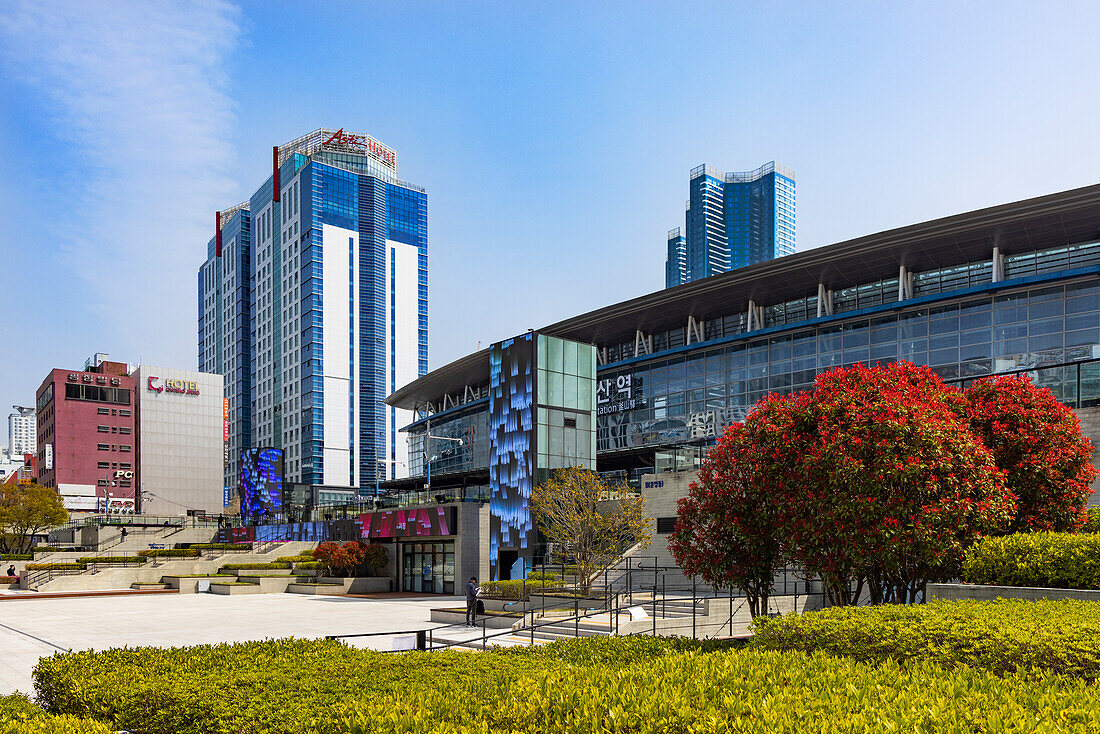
[413,523]
[261,485]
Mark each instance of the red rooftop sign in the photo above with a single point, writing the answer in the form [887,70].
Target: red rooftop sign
[364,144]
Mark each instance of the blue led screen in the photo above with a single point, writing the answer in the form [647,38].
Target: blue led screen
[511,452]
[261,486]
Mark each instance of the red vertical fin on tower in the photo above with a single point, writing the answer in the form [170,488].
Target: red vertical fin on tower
[218,233]
[275,173]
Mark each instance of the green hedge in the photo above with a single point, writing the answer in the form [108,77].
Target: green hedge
[1092,521]
[543,576]
[56,549]
[517,589]
[309,565]
[55,566]
[19,716]
[253,566]
[8,579]
[1054,560]
[170,553]
[1001,636]
[16,557]
[295,559]
[590,686]
[113,559]
[221,546]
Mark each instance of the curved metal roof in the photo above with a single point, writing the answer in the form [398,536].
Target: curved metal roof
[1063,218]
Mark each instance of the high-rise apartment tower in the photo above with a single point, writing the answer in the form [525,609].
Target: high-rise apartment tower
[732,220]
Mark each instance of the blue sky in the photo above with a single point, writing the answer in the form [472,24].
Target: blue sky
[554,140]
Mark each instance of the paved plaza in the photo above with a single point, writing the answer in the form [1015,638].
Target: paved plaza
[31,628]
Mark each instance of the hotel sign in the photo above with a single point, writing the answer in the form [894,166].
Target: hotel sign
[183,387]
[360,144]
[225,438]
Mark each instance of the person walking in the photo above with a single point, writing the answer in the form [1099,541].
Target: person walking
[471,602]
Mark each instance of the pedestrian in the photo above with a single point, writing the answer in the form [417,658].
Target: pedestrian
[471,602]
[11,571]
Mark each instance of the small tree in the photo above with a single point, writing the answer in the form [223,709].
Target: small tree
[1037,441]
[726,527]
[590,520]
[341,558]
[25,511]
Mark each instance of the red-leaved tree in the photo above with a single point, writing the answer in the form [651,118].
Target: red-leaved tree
[879,482]
[1037,441]
[726,527]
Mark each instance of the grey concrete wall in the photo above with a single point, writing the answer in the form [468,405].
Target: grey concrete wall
[715,621]
[979,592]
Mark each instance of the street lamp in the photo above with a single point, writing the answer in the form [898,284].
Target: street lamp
[378,474]
[427,458]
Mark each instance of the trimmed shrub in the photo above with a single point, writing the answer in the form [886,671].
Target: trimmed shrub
[310,565]
[19,716]
[221,546]
[253,566]
[9,579]
[1002,636]
[543,576]
[16,557]
[517,589]
[643,686]
[55,566]
[1092,521]
[295,559]
[1052,560]
[56,549]
[170,553]
[113,559]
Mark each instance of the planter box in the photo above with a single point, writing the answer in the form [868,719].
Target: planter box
[230,589]
[492,621]
[980,592]
[360,585]
[316,589]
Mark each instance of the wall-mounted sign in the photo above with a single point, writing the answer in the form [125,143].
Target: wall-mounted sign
[362,144]
[49,456]
[616,394]
[124,474]
[94,379]
[183,387]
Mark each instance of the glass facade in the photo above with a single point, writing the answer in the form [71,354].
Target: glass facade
[428,567]
[566,396]
[1049,331]
[732,220]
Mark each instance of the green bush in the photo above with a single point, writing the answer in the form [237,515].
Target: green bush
[222,546]
[9,579]
[19,716]
[1052,560]
[295,559]
[170,553]
[253,566]
[113,559]
[517,589]
[309,565]
[16,557]
[1092,521]
[1001,636]
[637,685]
[56,549]
[55,566]
[544,576]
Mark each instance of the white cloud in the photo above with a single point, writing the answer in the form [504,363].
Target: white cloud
[136,94]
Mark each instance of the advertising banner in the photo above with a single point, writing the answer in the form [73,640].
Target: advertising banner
[415,523]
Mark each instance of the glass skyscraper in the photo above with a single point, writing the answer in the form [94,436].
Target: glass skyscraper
[732,220]
[313,303]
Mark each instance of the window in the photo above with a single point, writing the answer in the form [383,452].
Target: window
[124,413]
[665,525]
[123,447]
[103,429]
[124,429]
[103,447]
[103,411]
[103,465]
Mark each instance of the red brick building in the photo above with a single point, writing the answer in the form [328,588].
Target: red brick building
[86,436]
